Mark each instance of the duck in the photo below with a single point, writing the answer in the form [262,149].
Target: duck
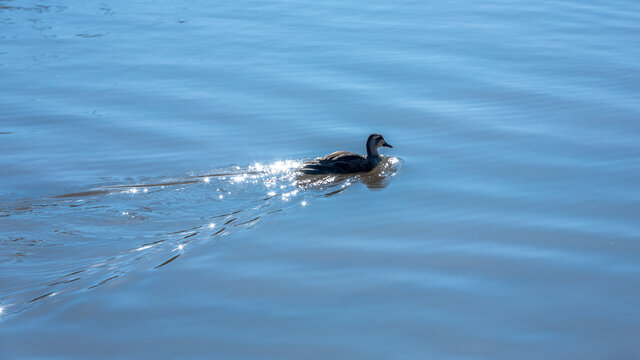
[344,162]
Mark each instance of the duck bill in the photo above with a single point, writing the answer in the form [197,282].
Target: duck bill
[387,145]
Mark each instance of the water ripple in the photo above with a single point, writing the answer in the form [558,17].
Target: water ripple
[78,241]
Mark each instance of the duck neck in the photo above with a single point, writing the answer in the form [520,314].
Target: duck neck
[372,151]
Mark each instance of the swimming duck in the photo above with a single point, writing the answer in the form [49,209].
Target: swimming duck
[343,162]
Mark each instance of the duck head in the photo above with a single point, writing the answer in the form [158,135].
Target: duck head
[374,142]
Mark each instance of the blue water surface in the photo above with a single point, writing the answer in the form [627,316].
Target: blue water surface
[150,204]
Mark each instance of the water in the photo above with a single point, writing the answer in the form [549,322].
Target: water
[149,204]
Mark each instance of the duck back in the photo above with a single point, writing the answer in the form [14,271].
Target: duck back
[342,156]
[340,162]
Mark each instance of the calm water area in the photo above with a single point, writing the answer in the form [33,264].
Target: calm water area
[150,205]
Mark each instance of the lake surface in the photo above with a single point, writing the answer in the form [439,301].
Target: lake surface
[150,204]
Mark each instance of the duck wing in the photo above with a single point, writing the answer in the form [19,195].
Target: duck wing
[342,156]
[340,162]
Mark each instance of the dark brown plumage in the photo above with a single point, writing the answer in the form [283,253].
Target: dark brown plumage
[343,162]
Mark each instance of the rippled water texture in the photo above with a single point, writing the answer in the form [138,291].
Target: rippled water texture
[54,239]
[150,204]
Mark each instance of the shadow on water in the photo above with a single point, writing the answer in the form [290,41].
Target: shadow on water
[82,240]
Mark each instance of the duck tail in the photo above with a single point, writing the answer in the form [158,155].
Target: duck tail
[312,169]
